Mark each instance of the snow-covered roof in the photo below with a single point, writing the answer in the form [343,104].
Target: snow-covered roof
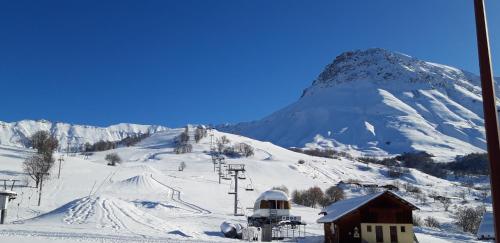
[273,195]
[7,192]
[341,208]
[486,227]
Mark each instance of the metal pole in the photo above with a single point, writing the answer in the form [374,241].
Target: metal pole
[236,193]
[489,108]
[40,190]
[3,215]
[59,173]
[220,173]
[67,149]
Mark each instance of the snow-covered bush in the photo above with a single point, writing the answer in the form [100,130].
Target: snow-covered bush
[244,149]
[309,198]
[470,164]
[113,159]
[183,148]
[412,189]
[133,140]
[468,218]
[432,222]
[326,153]
[332,194]
[395,172]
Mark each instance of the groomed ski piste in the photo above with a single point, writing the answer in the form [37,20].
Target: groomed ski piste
[147,199]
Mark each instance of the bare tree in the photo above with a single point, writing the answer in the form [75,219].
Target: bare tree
[37,167]
[200,133]
[183,137]
[332,194]
[247,150]
[183,148]
[221,144]
[113,159]
[469,218]
[314,195]
[44,143]
[432,222]
[445,201]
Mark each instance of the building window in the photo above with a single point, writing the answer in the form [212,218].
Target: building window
[264,204]
[379,234]
[394,234]
[403,229]
[369,228]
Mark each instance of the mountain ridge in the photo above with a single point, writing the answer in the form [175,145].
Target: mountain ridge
[18,133]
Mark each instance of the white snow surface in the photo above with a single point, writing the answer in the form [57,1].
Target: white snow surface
[377,102]
[146,198]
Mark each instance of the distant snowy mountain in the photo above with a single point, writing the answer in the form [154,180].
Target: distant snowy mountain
[18,133]
[377,102]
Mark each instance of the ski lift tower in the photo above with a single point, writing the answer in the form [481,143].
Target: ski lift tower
[236,169]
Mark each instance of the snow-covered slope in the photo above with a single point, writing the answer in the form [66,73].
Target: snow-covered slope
[147,199]
[379,102]
[17,133]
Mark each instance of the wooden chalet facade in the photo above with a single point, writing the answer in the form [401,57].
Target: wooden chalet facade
[382,217]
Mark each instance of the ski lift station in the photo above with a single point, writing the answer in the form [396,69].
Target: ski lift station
[272,214]
[270,205]
[5,197]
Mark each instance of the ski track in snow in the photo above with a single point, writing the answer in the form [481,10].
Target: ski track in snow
[176,196]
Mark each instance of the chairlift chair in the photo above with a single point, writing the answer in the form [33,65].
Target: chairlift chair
[249,186]
[242,176]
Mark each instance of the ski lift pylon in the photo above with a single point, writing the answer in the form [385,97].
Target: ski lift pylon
[232,189]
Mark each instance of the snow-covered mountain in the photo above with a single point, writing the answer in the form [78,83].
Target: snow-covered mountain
[379,102]
[17,133]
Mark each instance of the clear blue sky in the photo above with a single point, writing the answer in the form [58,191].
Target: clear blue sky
[206,61]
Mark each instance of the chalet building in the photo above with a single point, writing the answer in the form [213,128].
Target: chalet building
[382,217]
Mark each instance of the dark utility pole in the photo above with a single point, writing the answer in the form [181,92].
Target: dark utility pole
[40,189]
[489,108]
[41,175]
[60,161]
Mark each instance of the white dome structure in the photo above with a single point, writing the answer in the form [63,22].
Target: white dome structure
[270,206]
